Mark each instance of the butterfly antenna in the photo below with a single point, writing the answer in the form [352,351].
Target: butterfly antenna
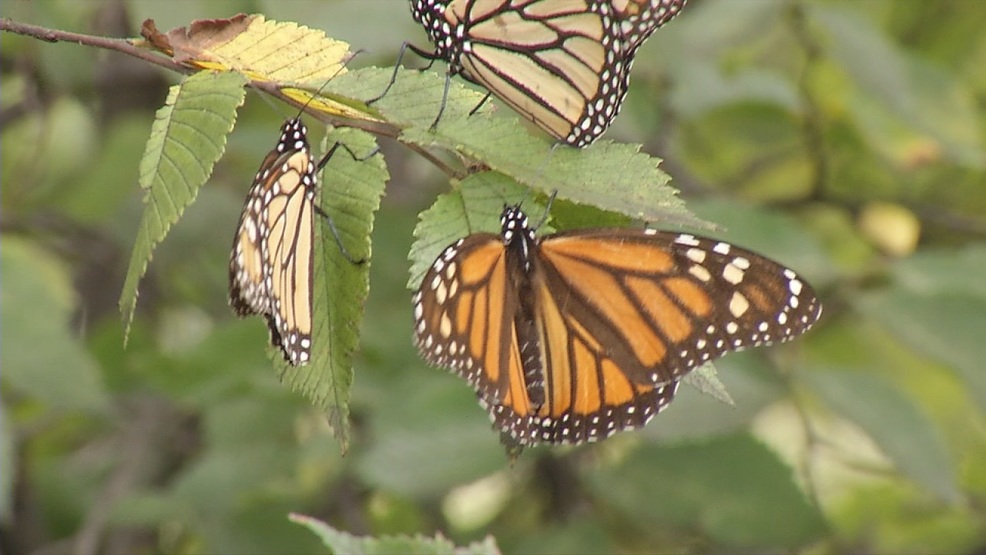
[335,233]
[325,83]
[432,57]
[313,96]
[544,163]
[547,209]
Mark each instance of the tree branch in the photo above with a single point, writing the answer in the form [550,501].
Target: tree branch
[125,46]
[132,48]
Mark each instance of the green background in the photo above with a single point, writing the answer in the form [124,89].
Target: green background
[844,139]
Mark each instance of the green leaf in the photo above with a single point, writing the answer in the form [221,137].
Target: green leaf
[706,379]
[722,488]
[41,357]
[351,191]
[894,422]
[475,207]
[187,138]
[946,327]
[448,426]
[905,106]
[343,543]
[944,270]
[607,175]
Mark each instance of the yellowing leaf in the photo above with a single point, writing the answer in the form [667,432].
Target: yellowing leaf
[264,51]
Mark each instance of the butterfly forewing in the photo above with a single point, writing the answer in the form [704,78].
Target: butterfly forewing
[665,303]
[270,271]
[563,64]
[575,336]
[640,18]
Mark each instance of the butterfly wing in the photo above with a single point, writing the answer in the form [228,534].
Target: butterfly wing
[623,314]
[663,303]
[640,18]
[586,395]
[248,269]
[564,65]
[541,375]
[271,263]
[544,59]
[463,319]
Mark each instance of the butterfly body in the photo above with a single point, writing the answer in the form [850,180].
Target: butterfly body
[271,262]
[563,64]
[570,337]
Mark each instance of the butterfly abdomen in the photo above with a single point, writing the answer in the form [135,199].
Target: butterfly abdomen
[520,245]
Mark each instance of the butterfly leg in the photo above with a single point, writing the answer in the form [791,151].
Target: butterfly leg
[430,56]
[335,233]
[547,209]
[332,150]
[328,218]
[480,105]
[441,109]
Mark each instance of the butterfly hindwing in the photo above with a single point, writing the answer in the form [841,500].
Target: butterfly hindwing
[666,303]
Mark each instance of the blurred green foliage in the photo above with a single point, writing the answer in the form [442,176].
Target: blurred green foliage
[784,122]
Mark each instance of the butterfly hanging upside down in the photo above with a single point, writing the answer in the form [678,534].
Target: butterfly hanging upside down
[271,263]
[270,266]
[571,337]
[563,64]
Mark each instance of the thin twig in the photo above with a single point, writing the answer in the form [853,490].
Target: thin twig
[813,126]
[125,46]
[139,442]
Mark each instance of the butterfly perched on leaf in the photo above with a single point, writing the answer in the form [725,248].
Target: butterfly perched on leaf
[271,262]
[563,64]
[571,337]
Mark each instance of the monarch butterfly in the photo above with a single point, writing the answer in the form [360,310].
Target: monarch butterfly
[270,265]
[571,337]
[563,64]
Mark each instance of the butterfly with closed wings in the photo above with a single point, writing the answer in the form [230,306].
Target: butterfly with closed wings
[563,64]
[571,337]
[271,262]
[270,266]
